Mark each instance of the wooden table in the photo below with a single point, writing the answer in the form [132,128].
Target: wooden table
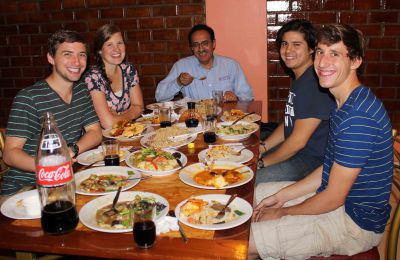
[27,235]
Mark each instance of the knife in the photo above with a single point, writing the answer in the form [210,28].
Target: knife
[181,231]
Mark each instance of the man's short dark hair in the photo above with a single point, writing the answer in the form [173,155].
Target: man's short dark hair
[201,27]
[62,36]
[352,38]
[298,25]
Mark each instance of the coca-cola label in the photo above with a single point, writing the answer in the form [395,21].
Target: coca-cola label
[54,175]
[50,142]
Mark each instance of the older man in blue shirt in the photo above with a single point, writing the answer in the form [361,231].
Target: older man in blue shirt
[198,75]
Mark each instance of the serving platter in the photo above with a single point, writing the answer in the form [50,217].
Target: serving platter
[96,155]
[237,203]
[129,162]
[24,205]
[87,214]
[106,133]
[187,174]
[235,137]
[245,156]
[105,170]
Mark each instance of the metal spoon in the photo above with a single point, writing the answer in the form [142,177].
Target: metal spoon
[240,151]
[200,78]
[113,210]
[221,213]
[224,172]
[177,158]
[240,118]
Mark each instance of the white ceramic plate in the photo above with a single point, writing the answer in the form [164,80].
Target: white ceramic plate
[115,170]
[245,156]
[183,159]
[16,206]
[91,156]
[146,141]
[87,214]
[237,203]
[192,129]
[186,174]
[106,133]
[145,118]
[170,104]
[238,137]
[251,119]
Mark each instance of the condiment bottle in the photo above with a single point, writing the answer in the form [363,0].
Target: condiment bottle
[192,121]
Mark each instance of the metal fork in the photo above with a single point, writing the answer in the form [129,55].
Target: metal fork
[133,149]
[221,213]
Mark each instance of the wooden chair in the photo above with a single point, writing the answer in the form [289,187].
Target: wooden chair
[393,238]
[3,167]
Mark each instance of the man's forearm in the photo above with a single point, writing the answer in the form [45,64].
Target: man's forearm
[300,188]
[91,138]
[320,203]
[19,159]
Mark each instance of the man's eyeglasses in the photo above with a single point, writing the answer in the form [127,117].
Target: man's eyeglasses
[203,44]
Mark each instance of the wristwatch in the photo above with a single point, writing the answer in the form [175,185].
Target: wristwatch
[74,148]
[260,163]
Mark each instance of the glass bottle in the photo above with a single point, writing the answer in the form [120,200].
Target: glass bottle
[55,180]
[192,121]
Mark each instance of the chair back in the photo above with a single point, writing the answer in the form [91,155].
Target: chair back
[393,238]
[3,167]
[2,140]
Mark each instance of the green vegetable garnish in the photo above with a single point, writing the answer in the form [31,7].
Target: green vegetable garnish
[239,213]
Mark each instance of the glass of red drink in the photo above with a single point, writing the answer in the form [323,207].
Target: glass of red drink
[110,152]
[165,117]
[144,228]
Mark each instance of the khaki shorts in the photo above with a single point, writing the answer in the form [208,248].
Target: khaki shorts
[303,236]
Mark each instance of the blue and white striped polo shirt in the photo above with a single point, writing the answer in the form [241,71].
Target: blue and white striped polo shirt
[360,136]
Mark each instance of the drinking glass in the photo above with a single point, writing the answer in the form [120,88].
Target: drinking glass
[209,126]
[218,96]
[144,228]
[165,117]
[110,152]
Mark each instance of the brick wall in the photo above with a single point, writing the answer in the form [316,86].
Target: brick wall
[377,19]
[156,31]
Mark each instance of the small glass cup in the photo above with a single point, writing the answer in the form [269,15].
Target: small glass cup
[209,126]
[144,228]
[110,152]
[165,117]
[218,96]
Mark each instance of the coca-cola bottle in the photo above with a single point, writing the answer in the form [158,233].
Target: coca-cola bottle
[55,180]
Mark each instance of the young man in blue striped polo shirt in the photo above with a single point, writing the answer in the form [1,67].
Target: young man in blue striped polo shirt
[343,206]
[61,94]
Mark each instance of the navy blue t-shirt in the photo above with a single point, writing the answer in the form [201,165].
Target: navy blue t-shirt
[307,99]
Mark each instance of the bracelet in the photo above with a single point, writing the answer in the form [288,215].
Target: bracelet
[264,145]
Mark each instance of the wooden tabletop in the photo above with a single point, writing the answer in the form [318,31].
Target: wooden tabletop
[27,235]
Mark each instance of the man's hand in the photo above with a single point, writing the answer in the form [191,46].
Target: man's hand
[268,214]
[266,208]
[229,96]
[184,79]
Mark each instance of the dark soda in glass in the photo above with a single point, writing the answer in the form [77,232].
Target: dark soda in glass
[144,233]
[59,217]
[164,124]
[191,122]
[111,160]
[210,137]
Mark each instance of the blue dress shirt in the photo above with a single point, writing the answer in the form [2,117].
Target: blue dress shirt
[225,74]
